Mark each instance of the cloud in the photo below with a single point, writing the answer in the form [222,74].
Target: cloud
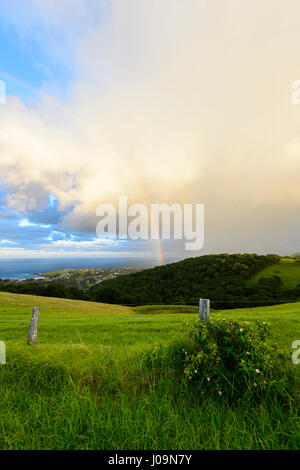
[83,244]
[7,242]
[46,253]
[55,235]
[25,223]
[171,102]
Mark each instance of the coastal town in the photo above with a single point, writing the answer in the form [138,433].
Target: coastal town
[81,278]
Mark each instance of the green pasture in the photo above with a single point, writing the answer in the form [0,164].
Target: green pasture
[87,383]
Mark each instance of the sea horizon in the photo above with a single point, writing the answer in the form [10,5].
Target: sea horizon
[29,268]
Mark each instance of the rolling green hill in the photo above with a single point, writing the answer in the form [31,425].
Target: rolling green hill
[287,269]
[79,322]
[19,306]
[95,380]
[220,278]
[72,322]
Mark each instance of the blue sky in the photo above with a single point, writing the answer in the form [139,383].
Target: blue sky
[26,68]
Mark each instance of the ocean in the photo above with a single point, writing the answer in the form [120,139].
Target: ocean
[18,269]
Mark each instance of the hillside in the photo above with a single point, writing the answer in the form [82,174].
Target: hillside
[72,322]
[222,278]
[21,305]
[287,269]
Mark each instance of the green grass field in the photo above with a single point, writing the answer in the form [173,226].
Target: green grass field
[85,384]
[288,269]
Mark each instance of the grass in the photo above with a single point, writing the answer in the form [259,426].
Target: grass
[87,383]
[287,268]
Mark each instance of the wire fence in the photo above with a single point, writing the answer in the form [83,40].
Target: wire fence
[170,304]
[95,316]
[196,303]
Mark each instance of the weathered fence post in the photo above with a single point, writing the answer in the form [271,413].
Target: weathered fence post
[2,353]
[204,309]
[32,333]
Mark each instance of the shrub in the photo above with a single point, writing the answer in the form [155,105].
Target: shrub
[233,359]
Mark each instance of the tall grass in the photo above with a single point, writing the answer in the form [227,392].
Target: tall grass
[97,380]
[140,402]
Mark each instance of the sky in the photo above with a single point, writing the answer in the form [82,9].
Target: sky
[165,102]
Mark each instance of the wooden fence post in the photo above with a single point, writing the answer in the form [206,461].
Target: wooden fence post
[2,353]
[32,333]
[204,310]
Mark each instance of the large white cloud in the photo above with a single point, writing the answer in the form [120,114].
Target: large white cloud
[172,102]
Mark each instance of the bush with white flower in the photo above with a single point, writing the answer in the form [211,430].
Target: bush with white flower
[230,358]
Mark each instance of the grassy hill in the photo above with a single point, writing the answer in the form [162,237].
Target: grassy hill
[18,306]
[287,269]
[66,324]
[93,381]
[72,322]
[220,278]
